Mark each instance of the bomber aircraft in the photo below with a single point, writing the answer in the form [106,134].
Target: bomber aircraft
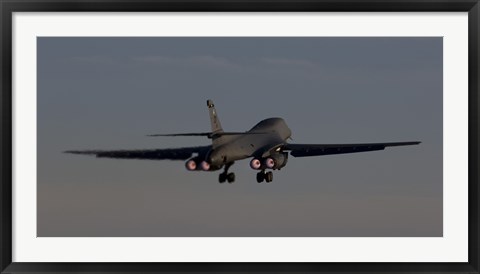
[266,143]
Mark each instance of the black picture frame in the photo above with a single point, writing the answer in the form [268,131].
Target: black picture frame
[8,7]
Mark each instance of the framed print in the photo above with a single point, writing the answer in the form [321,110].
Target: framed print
[226,136]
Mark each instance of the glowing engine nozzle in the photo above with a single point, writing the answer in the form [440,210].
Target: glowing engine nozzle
[255,163]
[205,166]
[270,163]
[191,165]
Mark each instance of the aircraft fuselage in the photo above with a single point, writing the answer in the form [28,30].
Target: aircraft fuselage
[271,133]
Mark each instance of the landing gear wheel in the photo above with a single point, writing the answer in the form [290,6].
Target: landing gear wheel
[269,177]
[260,177]
[222,178]
[225,176]
[231,177]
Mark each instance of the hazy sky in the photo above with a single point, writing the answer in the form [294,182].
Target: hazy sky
[108,93]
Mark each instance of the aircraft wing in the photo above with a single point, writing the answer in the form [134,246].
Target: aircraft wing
[304,150]
[146,154]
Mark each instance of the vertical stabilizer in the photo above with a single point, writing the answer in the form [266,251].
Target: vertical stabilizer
[215,123]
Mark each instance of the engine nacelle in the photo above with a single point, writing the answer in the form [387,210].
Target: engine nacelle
[193,164]
[205,166]
[198,163]
[255,163]
[276,161]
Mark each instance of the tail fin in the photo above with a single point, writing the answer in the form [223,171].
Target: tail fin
[215,123]
[218,136]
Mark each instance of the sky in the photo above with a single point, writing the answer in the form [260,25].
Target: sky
[109,93]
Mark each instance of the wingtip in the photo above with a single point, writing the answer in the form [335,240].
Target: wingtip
[74,152]
[82,152]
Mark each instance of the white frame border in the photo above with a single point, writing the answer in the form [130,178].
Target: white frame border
[450,248]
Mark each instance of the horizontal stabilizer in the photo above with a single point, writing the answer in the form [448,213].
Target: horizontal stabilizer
[207,134]
[182,134]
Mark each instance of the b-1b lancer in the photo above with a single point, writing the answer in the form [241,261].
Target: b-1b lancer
[266,143]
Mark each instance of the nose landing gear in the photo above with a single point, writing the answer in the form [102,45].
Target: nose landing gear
[267,176]
[225,176]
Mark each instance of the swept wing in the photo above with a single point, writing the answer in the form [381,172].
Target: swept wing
[304,150]
[146,154]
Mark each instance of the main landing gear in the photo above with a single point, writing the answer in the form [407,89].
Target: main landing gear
[225,176]
[267,176]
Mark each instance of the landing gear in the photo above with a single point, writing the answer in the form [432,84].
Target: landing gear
[231,177]
[222,178]
[267,176]
[260,176]
[225,176]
